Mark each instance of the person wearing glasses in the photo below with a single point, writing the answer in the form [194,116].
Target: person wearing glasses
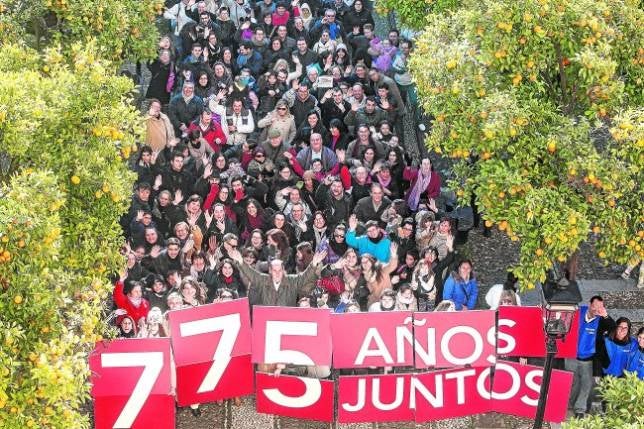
[619,346]
[329,23]
[279,120]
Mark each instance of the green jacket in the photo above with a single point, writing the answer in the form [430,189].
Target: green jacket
[292,286]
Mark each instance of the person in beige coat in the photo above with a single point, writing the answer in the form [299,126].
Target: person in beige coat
[159,131]
[279,120]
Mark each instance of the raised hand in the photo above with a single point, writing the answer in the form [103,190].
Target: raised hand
[192,218]
[342,155]
[449,242]
[209,217]
[157,182]
[190,244]
[139,215]
[393,249]
[178,197]
[318,257]
[353,222]
[155,251]
[237,257]
[207,172]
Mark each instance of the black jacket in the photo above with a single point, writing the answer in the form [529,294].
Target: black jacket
[181,113]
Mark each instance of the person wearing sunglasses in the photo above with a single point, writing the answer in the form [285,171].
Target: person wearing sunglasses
[280,120]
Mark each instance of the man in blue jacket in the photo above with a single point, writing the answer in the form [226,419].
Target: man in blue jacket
[594,322]
[374,242]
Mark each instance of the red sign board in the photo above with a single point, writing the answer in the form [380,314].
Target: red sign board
[299,397]
[362,340]
[131,384]
[298,336]
[521,333]
[516,391]
[375,398]
[212,350]
[454,339]
[450,393]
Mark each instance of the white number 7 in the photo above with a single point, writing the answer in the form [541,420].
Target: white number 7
[230,324]
[152,363]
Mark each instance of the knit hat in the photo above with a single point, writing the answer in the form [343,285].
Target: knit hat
[273,133]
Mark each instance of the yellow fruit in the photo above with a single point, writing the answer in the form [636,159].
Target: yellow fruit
[17,299]
[552,147]
[440,118]
[539,252]
[451,64]
[21,243]
[105,188]
[75,180]
[489,134]
[517,79]
[98,194]
[548,240]
[601,254]
[503,225]
[501,194]
[596,229]
[486,155]
[488,224]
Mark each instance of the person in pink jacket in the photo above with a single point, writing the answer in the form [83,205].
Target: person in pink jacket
[424,180]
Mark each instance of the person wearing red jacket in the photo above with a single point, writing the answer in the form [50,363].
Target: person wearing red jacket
[211,130]
[129,297]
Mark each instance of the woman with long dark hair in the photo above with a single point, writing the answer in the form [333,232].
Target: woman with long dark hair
[619,345]
[253,218]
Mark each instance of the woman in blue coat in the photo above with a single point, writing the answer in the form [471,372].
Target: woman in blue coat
[636,358]
[461,287]
[619,345]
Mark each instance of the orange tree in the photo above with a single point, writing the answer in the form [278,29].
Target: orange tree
[539,104]
[66,128]
[123,29]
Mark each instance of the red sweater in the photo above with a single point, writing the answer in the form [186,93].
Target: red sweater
[121,300]
[212,133]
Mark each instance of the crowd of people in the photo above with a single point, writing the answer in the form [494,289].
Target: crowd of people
[273,169]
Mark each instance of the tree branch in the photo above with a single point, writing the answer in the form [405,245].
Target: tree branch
[562,79]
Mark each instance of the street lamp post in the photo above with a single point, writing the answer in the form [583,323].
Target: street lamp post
[561,299]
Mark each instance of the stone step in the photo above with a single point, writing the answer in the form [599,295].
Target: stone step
[589,288]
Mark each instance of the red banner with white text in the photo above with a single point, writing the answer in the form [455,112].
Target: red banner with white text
[213,344]
[212,352]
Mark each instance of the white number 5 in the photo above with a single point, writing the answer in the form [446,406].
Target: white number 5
[152,363]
